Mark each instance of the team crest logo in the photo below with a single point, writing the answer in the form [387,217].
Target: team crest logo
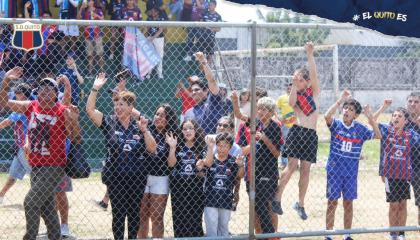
[27,36]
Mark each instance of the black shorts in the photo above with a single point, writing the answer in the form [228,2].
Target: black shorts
[397,190]
[301,143]
[415,183]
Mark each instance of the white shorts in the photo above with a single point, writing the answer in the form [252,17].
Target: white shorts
[157,185]
[69,30]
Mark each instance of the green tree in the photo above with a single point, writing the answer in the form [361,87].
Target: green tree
[291,37]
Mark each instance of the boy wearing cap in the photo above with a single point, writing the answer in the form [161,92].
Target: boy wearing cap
[207,38]
[20,165]
[49,124]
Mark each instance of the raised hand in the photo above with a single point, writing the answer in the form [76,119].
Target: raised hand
[143,123]
[13,74]
[309,48]
[171,140]
[234,96]
[99,81]
[367,110]
[345,95]
[200,164]
[63,79]
[387,102]
[200,57]
[72,113]
[240,160]
[121,85]
[211,140]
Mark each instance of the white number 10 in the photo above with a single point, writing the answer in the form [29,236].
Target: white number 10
[346,147]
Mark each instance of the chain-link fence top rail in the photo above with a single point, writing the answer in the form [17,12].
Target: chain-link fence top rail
[103,46]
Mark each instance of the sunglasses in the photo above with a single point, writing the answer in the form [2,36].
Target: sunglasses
[223,125]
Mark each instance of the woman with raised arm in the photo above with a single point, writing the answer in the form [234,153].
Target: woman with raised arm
[128,143]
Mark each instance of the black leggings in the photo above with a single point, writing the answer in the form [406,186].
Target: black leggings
[264,193]
[187,199]
[125,194]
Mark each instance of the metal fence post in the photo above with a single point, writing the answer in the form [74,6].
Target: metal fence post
[253,113]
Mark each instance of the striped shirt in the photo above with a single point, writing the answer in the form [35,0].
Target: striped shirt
[395,152]
[92,32]
[346,147]
[306,102]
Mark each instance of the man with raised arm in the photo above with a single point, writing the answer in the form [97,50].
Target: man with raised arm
[50,122]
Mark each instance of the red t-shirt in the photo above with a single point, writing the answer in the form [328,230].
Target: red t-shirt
[47,135]
[187,101]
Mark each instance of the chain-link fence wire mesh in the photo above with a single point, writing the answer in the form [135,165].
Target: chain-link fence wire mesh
[117,151]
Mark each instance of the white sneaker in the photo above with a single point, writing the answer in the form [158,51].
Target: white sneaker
[65,231]
[1,200]
[401,237]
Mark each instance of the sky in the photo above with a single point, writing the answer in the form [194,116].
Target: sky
[233,12]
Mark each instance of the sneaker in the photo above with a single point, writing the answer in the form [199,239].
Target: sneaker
[65,231]
[300,211]
[102,205]
[401,237]
[276,207]
[348,238]
[1,200]
[328,238]
[187,58]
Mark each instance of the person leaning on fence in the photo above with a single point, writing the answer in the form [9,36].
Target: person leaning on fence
[49,123]
[302,140]
[222,172]
[395,166]
[210,105]
[268,143]
[155,197]
[128,142]
[93,34]
[19,166]
[186,183]
[347,138]
[413,107]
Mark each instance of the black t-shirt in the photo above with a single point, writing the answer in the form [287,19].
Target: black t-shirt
[158,163]
[266,164]
[186,158]
[115,9]
[211,17]
[126,147]
[220,181]
[415,150]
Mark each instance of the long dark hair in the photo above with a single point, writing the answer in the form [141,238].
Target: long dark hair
[171,119]
[199,140]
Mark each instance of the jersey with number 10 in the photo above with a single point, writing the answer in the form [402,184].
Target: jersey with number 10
[345,147]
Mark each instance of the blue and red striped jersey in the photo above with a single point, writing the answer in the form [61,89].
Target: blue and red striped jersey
[395,152]
[305,101]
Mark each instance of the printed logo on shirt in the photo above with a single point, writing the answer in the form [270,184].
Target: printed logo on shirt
[127,147]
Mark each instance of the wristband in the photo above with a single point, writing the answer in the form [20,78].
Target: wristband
[94,90]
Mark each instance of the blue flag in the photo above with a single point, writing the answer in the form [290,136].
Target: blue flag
[391,17]
[140,55]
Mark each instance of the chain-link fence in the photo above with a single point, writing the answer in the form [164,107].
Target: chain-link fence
[153,154]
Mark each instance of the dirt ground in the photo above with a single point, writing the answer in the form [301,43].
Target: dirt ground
[87,221]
